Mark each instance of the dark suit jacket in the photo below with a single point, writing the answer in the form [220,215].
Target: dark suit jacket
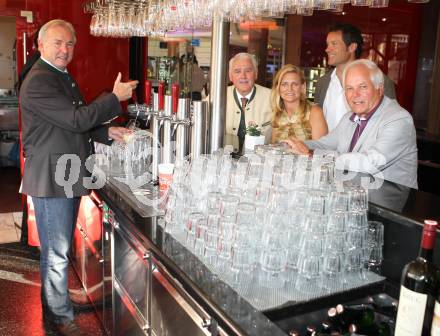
[56,121]
[323,83]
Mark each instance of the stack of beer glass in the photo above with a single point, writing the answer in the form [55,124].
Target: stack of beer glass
[130,159]
[272,220]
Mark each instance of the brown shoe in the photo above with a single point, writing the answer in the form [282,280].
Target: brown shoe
[78,296]
[69,329]
[80,301]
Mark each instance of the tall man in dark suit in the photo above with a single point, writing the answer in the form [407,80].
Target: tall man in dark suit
[344,45]
[58,134]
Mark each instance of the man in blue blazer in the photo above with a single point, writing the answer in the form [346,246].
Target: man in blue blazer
[58,134]
[377,136]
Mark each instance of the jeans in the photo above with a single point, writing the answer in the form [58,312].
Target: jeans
[56,219]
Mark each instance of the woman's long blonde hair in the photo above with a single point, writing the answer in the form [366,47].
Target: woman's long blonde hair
[277,103]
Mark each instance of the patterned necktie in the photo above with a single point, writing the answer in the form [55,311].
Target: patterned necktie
[241,133]
[244,101]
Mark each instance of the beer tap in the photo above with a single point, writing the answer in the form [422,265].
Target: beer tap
[158,106]
[161,93]
[161,97]
[182,126]
[148,111]
[167,141]
[175,121]
[142,111]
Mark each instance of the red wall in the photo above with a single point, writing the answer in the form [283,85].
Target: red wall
[401,18]
[97,59]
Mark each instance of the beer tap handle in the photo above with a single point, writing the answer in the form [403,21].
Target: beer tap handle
[147,93]
[161,93]
[175,97]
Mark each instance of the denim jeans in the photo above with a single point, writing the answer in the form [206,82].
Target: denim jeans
[56,219]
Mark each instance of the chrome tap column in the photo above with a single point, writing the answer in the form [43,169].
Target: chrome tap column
[199,130]
[217,95]
[155,130]
[182,129]
[175,131]
[167,143]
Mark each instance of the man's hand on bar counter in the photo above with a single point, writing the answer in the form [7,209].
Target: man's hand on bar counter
[123,90]
[120,134]
[297,146]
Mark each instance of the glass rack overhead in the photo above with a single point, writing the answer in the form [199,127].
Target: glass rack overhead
[124,18]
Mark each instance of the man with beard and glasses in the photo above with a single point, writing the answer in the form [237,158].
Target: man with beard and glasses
[247,103]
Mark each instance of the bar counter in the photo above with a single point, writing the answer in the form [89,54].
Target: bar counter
[234,315]
[148,275]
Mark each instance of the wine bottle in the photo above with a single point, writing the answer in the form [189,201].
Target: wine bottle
[294,332]
[357,329]
[417,290]
[435,327]
[387,310]
[310,331]
[335,321]
[384,329]
[326,328]
[356,313]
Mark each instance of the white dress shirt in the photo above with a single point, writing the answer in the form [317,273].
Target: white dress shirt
[53,66]
[335,104]
[248,96]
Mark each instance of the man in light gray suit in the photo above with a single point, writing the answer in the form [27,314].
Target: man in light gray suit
[377,137]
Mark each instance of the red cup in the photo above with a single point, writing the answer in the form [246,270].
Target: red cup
[165,176]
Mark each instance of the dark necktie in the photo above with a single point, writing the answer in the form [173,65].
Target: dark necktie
[357,133]
[241,133]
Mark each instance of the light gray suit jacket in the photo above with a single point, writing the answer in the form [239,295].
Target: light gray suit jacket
[386,149]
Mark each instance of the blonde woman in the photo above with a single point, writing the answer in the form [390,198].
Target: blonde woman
[293,115]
